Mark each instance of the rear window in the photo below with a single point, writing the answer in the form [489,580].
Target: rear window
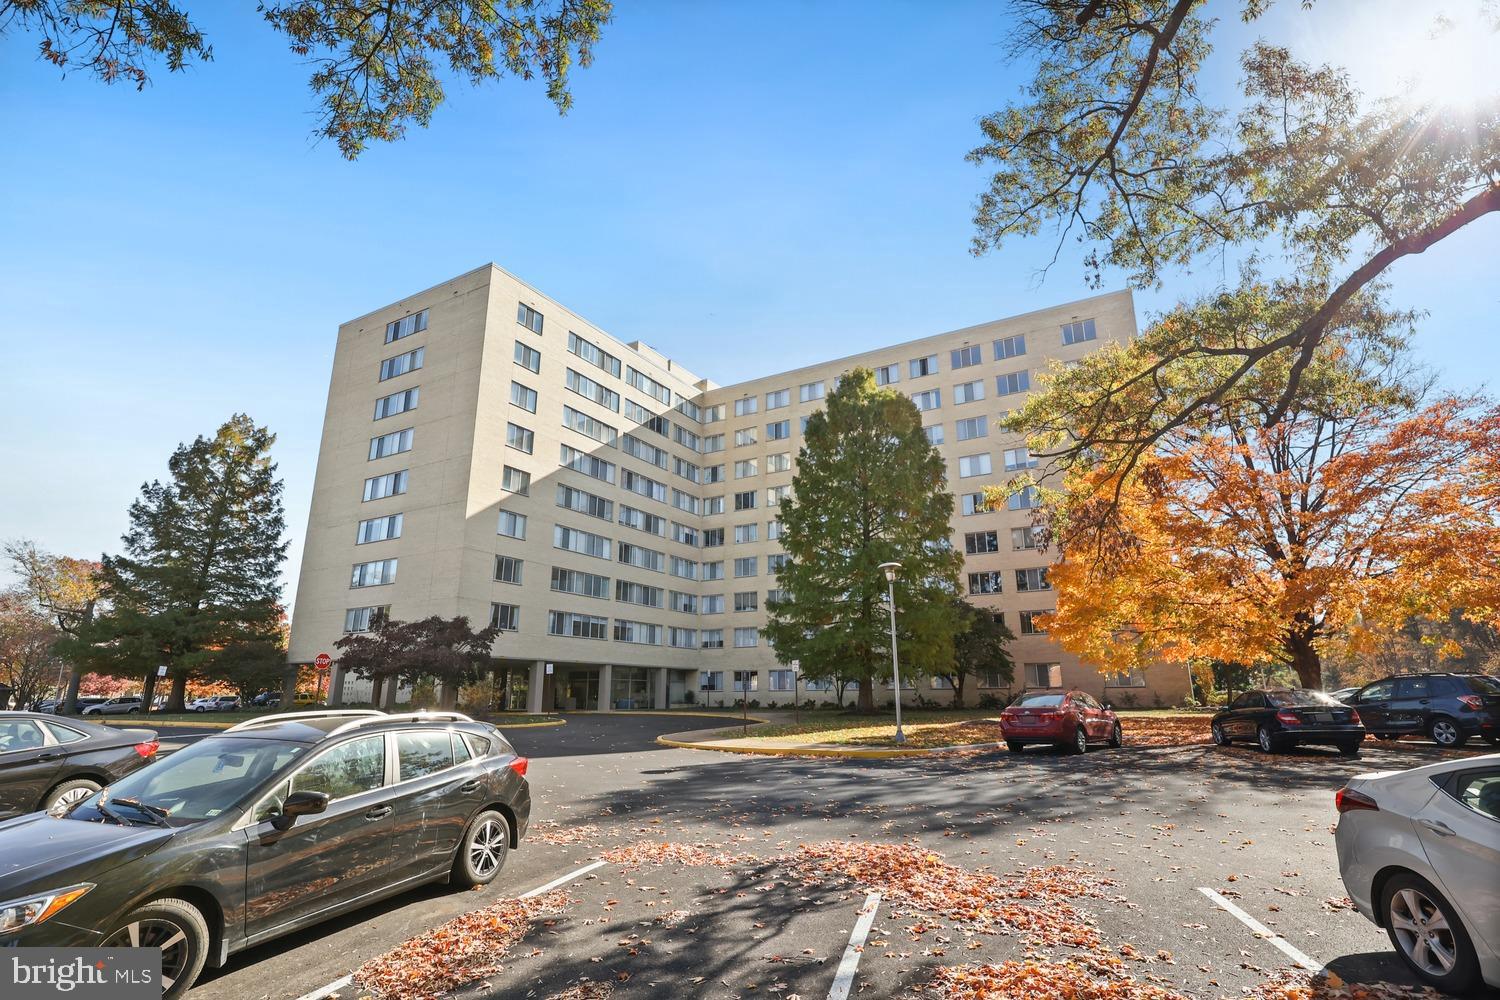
[422,753]
[1482,685]
[1300,699]
[1039,701]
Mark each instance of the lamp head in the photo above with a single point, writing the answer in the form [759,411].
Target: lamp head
[890,569]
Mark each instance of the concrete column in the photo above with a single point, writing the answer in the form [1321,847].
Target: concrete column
[534,687]
[335,696]
[659,698]
[604,686]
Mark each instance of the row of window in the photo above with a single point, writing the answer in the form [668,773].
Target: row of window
[577,625]
[510,569]
[973,392]
[989,582]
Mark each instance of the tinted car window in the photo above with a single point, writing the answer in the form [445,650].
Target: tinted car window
[1039,701]
[1378,691]
[1481,792]
[1482,685]
[460,749]
[20,734]
[63,734]
[423,753]
[1299,699]
[201,780]
[480,744]
[347,769]
[1413,687]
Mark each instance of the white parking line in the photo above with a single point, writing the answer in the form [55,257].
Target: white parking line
[1262,931]
[342,981]
[849,964]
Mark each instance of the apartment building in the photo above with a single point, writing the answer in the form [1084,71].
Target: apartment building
[488,452]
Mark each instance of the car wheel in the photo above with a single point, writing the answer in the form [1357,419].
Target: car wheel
[1220,737]
[1385,736]
[1446,734]
[67,795]
[132,711]
[1016,746]
[178,929]
[482,852]
[1428,935]
[1350,749]
[1080,740]
[1493,741]
[1268,743]
[1116,737]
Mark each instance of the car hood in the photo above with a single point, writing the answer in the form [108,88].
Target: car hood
[38,851]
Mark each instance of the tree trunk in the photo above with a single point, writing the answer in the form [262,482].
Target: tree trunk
[176,701]
[958,689]
[70,700]
[448,694]
[1305,661]
[289,687]
[377,685]
[867,695]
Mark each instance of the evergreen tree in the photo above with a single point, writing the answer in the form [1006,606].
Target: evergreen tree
[979,649]
[870,488]
[201,563]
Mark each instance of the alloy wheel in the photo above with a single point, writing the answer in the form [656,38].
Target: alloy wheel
[1081,740]
[156,933]
[1218,732]
[486,848]
[1423,932]
[1265,739]
[67,800]
[1444,733]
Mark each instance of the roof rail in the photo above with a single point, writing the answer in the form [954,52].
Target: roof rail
[421,716]
[276,718]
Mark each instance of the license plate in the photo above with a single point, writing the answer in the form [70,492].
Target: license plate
[1025,721]
[1323,716]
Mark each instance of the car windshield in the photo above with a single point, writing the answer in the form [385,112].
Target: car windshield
[1480,684]
[1300,699]
[198,782]
[1039,701]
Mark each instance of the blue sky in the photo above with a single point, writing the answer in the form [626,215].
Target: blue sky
[745,187]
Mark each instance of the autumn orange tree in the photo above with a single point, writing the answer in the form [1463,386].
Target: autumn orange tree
[1365,505]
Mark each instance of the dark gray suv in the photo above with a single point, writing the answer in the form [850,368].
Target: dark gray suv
[1450,708]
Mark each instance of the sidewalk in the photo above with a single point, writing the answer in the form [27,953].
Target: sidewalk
[734,739]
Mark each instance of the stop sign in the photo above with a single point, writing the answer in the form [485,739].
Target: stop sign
[322,661]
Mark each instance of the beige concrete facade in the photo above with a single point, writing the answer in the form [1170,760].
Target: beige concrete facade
[460,446]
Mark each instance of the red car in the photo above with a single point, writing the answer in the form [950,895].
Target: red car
[1069,720]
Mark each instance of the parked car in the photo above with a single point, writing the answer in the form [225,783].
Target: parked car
[51,706]
[124,705]
[50,764]
[265,698]
[1449,708]
[1071,720]
[218,703]
[1419,852]
[1343,694]
[1280,718]
[273,825]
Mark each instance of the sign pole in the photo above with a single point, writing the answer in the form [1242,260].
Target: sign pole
[796,699]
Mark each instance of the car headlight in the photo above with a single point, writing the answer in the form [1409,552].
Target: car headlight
[35,909]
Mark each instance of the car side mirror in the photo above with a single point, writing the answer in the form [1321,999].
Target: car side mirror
[299,804]
[1108,707]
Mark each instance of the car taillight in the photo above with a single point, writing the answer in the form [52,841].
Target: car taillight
[1354,719]
[1471,701]
[1288,718]
[148,749]
[519,766]
[1348,800]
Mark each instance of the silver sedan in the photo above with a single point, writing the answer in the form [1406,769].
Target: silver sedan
[1419,852]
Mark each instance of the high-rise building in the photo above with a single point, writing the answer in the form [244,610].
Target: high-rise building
[487,452]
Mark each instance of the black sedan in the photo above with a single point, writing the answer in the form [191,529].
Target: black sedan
[49,764]
[271,826]
[1280,718]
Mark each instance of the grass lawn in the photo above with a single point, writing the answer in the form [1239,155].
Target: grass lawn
[923,729]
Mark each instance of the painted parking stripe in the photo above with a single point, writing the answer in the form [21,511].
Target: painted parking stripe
[849,964]
[1262,931]
[342,981]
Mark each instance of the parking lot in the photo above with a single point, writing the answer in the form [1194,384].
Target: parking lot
[1175,863]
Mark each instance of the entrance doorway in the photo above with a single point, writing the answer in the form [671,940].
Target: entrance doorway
[580,691]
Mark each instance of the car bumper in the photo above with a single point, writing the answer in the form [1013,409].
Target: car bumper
[1048,731]
[54,933]
[1324,734]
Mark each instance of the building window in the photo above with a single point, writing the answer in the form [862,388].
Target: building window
[713,474]
[977,542]
[528,357]
[932,399]
[781,680]
[585,503]
[652,524]
[711,680]
[746,638]
[713,443]
[640,557]
[713,537]
[810,392]
[648,385]
[643,633]
[389,485]
[776,400]
[577,626]
[712,604]
[648,453]
[583,542]
[685,534]
[686,502]
[746,406]
[984,583]
[713,414]
[968,392]
[627,592]
[687,470]
[888,375]
[643,486]
[1010,347]
[519,438]
[775,561]
[396,402]
[379,529]
[1123,679]
[773,530]
[505,617]
[971,428]
[779,462]
[923,366]
[523,397]
[393,443]
[966,356]
[512,525]
[589,427]
[373,574]
[746,533]
[572,581]
[363,619]
[1044,675]
[682,638]
[747,600]
[591,353]
[745,500]
[746,468]
[779,431]
[1019,458]
[974,465]
[1025,499]
[746,566]
[1012,382]
[713,505]
[406,326]
[591,390]
[508,569]
[934,434]
[1077,333]
[529,318]
[1023,538]
[1031,622]
[713,570]
[578,461]
[1032,579]
[776,494]
[744,436]
[401,364]
[973,503]
[514,480]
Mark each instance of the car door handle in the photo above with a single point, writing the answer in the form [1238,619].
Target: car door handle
[48,756]
[470,786]
[379,812]
[1437,826]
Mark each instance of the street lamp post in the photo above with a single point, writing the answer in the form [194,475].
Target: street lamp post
[891,569]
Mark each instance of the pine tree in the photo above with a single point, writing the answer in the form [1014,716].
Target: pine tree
[870,488]
[201,563]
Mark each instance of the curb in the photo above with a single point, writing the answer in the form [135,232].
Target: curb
[501,724]
[146,722]
[728,720]
[856,753]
